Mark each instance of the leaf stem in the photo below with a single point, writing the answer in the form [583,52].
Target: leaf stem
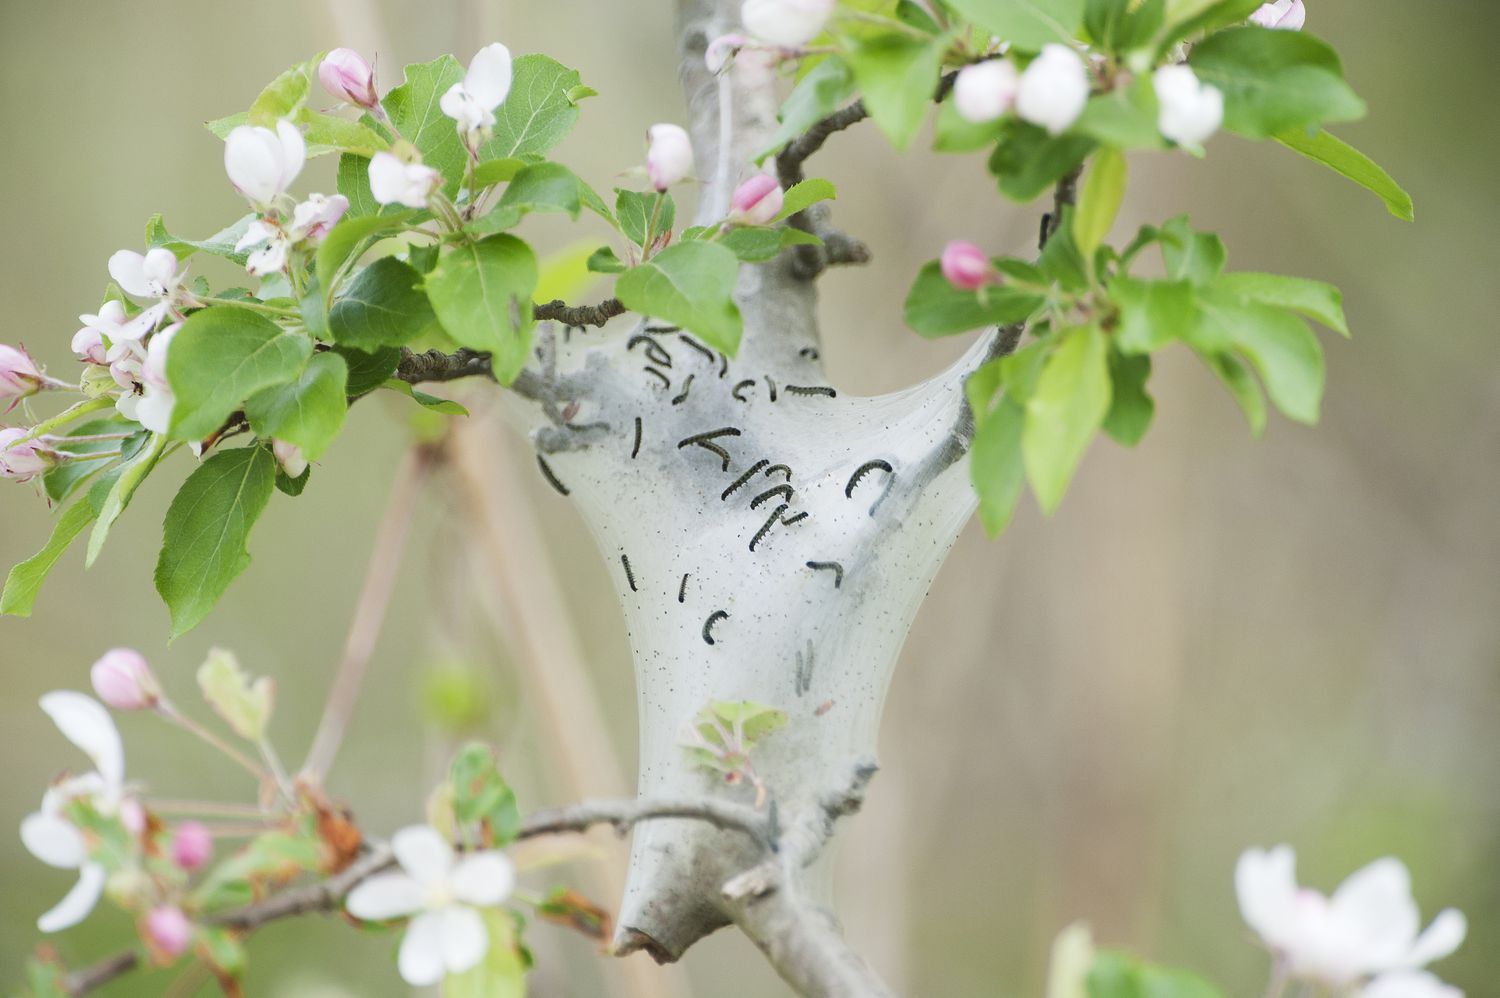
[254,306]
[67,416]
[167,710]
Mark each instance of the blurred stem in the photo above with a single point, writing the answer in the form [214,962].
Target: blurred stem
[219,809]
[1279,978]
[370,611]
[167,710]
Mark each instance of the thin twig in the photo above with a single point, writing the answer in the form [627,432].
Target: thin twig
[370,611]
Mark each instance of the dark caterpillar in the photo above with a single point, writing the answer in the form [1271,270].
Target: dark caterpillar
[705,351]
[629,575]
[772,384]
[682,589]
[785,491]
[794,519]
[739,388]
[781,468]
[704,440]
[833,566]
[636,449]
[666,382]
[549,476]
[771,522]
[808,353]
[812,390]
[743,478]
[687,386]
[864,470]
[708,625]
[655,352]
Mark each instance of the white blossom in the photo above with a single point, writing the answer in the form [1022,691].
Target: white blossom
[1409,984]
[273,248]
[261,163]
[393,181]
[49,835]
[986,90]
[154,274]
[1053,89]
[447,934]
[1289,15]
[788,23]
[1368,927]
[669,158]
[485,86]
[154,410]
[1190,110]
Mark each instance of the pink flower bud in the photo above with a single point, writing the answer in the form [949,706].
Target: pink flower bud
[1289,15]
[168,931]
[966,266]
[293,462]
[88,345]
[19,376]
[670,156]
[133,816]
[757,201]
[986,90]
[192,845]
[124,680]
[21,462]
[345,74]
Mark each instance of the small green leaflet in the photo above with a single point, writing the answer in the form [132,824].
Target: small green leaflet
[125,480]
[816,95]
[1314,299]
[1099,203]
[542,187]
[482,294]
[1342,158]
[1116,975]
[1069,404]
[898,75]
[308,412]
[25,580]
[385,306]
[447,407]
[220,244]
[1152,313]
[934,307]
[804,195]
[206,531]
[220,357]
[690,284]
[1131,407]
[997,467]
[1284,351]
[344,239]
[636,212]
[502,972]
[1027,24]
[481,794]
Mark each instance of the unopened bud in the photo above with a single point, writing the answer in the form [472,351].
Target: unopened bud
[345,74]
[22,461]
[1054,89]
[757,201]
[293,462]
[986,90]
[168,932]
[124,681]
[966,266]
[1289,15]
[670,156]
[192,845]
[19,375]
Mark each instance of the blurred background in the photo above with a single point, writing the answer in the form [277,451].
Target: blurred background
[1216,643]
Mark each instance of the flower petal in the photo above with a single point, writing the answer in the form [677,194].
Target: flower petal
[489,76]
[128,268]
[293,151]
[1376,906]
[86,723]
[424,854]
[465,938]
[421,958]
[253,162]
[1443,936]
[1266,885]
[385,895]
[483,879]
[78,902]
[53,840]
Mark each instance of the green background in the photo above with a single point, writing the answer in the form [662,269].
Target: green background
[1216,643]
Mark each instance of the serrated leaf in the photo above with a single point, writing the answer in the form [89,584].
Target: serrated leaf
[1274,81]
[692,285]
[1242,387]
[244,704]
[414,112]
[635,212]
[308,412]
[542,187]
[207,527]
[1028,161]
[1071,399]
[385,306]
[1152,313]
[934,307]
[1283,350]
[538,113]
[220,357]
[447,407]
[345,238]
[25,580]
[482,294]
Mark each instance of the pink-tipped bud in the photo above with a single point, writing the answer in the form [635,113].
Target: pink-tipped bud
[168,931]
[1288,15]
[192,845]
[124,680]
[670,156]
[966,266]
[21,462]
[19,375]
[345,74]
[293,462]
[757,201]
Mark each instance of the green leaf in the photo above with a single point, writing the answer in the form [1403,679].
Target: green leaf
[345,238]
[898,75]
[1125,117]
[122,482]
[804,195]
[1342,158]
[1194,256]
[245,705]
[270,858]
[1242,386]
[482,294]
[496,171]
[1099,203]
[220,244]
[954,133]
[997,467]
[934,307]
[1131,407]
[1284,351]
[481,794]
[327,134]
[220,357]
[368,371]
[1071,399]
[692,285]
[294,487]
[1026,24]
[413,110]
[539,111]
[25,580]
[1152,313]
[283,96]
[816,95]
[447,407]
[636,210]
[502,972]
[1029,162]
[1123,26]
[1186,18]
[753,722]
[757,245]
[1314,299]
[65,479]
[384,307]
[207,527]
[1117,975]
[542,187]
[604,261]
[308,412]
[1274,81]
[353,181]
